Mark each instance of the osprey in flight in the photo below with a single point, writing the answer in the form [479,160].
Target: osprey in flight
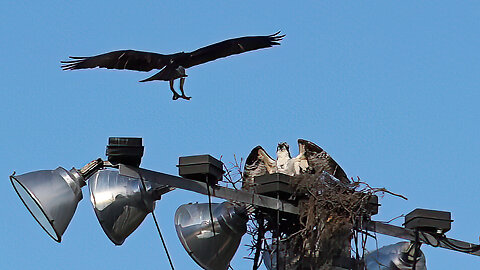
[172,66]
[312,158]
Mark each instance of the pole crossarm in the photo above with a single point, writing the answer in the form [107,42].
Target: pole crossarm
[167,180]
[426,238]
[203,188]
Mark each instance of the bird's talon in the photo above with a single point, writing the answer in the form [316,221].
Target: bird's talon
[175,97]
[185,97]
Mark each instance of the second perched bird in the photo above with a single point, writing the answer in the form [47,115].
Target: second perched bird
[172,65]
[311,159]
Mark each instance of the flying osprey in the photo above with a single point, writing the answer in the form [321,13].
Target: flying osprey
[172,66]
[311,159]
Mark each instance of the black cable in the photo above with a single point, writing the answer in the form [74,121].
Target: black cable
[449,245]
[158,227]
[210,205]
[258,244]
[417,249]
[453,246]
[163,241]
[428,242]
[355,237]
[278,236]
[469,249]
[364,245]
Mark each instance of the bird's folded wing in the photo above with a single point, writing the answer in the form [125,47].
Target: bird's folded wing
[125,59]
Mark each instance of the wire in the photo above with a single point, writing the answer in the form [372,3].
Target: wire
[158,227]
[417,249]
[278,236]
[354,244]
[428,242]
[210,205]
[453,246]
[163,241]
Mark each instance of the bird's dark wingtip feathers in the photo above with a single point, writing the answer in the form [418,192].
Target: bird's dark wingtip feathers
[310,145]
[68,66]
[253,155]
[72,64]
[70,61]
[275,38]
[302,141]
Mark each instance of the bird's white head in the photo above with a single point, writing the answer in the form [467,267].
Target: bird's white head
[283,150]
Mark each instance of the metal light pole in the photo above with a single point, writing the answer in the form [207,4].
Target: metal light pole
[123,194]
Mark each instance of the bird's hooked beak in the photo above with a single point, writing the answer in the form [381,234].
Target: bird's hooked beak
[283,146]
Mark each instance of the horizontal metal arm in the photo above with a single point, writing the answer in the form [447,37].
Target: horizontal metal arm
[272,203]
[426,238]
[202,187]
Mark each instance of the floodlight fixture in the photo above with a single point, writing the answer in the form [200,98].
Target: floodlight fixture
[211,246]
[123,194]
[51,196]
[277,255]
[121,203]
[397,256]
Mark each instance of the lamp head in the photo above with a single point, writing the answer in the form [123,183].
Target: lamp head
[396,256]
[51,196]
[120,203]
[211,250]
[286,256]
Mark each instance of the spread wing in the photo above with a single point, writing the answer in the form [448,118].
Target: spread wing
[257,163]
[231,47]
[319,160]
[125,59]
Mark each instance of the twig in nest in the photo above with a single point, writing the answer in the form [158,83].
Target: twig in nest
[394,218]
[233,173]
[375,190]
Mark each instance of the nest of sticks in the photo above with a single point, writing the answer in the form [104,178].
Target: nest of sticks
[330,213]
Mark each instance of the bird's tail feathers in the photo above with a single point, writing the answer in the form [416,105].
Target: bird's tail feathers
[160,76]
[165,74]
[152,78]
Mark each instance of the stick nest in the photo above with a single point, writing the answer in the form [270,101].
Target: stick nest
[329,212]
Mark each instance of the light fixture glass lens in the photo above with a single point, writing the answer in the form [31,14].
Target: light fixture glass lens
[34,208]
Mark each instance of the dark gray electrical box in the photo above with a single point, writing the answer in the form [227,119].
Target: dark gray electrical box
[125,150]
[372,206]
[273,184]
[431,221]
[201,168]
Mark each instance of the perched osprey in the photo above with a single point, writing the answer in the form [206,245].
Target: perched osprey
[312,158]
[172,66]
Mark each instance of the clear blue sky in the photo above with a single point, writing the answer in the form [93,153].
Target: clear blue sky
[389,89]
